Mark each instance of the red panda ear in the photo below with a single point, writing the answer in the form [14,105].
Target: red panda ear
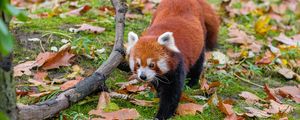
[168,40]
[132,39]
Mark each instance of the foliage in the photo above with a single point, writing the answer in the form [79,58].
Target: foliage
[6,42]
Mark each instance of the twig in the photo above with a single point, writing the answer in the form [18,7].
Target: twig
[248,81]
[42,46]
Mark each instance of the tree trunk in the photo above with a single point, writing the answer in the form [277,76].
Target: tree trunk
[7,85]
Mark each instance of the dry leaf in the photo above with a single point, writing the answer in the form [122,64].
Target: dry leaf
[79,11]
[70,83]
[91,29]
[225,108]
[292,92]
[104,100]
[276,107]
[249,97]
[40,76]
[123,114]
[59,59]
[135,88]
[287,73]
[142,102]
[239,37]
[256,112]
[234,117]
[286,40]
[189,109]
[23,68]
[271,93]
[267,59]
[37,95]
[185,98]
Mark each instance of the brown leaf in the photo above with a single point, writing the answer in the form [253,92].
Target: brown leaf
[204,85]
[286,40]
[91,29]
[239,36]
[40,76]
[225,108]
[271,93]
[43,57]
[79,11]
[276,107]
[292,92]
[249,97]
[256,112]
[136,88]
[23,68]
[123,114]
[267,59]
[287,73]
[37,95]
[189,109]
[104,100]
[142,102]
[70,83]
[234,117]
[186,98]
[59,59]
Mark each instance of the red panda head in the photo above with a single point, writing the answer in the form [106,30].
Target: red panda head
[150,55]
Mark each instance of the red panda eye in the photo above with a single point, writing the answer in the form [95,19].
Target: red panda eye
[151,65]
[138,65]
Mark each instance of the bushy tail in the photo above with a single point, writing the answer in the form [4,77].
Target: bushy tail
[212,23]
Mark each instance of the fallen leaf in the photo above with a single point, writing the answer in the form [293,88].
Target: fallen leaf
[70,83]
[287,73]
[225,108]
[23,68]
[37,95]
[286,40]
[204,85]
[271,93]
[43,57]
[135,88]
[262,25]
[142,102]
[251,112]
[123,114]
[77,70]
[249,97]
[292,92]
[239,37]
[78,11]
[40,76]
[185,98]
[234,117]
[104,100]
[267,59]
[189,109]
[276,107]
[91,29]
[59,59]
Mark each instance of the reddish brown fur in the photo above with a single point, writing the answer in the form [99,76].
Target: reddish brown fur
[187,20]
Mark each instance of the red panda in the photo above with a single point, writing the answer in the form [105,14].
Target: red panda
[173,47]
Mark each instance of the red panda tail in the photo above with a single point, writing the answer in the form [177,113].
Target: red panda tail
[212,23]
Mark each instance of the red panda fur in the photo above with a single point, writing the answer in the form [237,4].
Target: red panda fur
[194,26]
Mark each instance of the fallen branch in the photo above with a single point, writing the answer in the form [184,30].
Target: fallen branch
[90,84]
[248,81]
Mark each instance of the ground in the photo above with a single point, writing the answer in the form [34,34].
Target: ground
[52,29]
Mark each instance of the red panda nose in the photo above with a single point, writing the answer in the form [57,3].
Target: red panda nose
[143,77]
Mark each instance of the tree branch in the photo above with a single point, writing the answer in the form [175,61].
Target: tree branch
[90,84]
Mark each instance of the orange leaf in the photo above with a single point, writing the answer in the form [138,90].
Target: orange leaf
[123,114]
[142,102]
[189,109]
[70,83]
[186,98]
[40,76]
[267,59]
[59,59]
[292,92]
[225,108]
[271,93]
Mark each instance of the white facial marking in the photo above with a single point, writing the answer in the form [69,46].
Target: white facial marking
[149,61]
[162,64]
[131,63]
[132,39]
[139,61]
[150,74]
[168,40]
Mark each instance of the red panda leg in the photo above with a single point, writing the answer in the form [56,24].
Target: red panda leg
[196,70]
[170,93]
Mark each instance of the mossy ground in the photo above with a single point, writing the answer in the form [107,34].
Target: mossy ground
[52,30]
